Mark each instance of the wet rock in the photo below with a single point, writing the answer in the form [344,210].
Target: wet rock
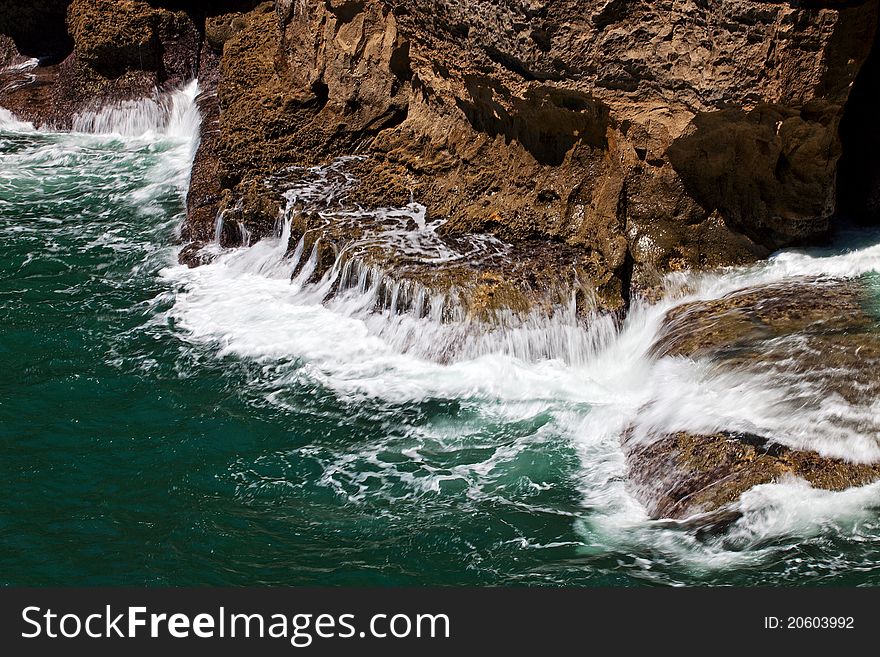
[642,137]
[121,50]
[682,475]
[205,192]
[816,339]
[470,276]
[749,320]
[709,138]
[125,50]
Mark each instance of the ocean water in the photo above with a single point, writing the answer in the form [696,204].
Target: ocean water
[234,424]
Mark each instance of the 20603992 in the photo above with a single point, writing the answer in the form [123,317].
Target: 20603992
[809,622]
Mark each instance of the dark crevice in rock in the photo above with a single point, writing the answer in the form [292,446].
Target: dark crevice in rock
[516,66]
[345,11]
[548,122]
[626,270]
[858,174]
[38,28]
[201,9]
[625,274]
[761,444]
[612,12]
[321,92]
[399,62]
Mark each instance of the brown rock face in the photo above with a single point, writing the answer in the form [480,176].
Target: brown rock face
[682,475]
[247,125]
[8,50]
[114,37]
[648,136]
[127,49]
[642,136]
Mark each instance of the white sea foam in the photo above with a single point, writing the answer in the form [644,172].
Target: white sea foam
[17,75]
[11,123]
[171,115]
[590,379]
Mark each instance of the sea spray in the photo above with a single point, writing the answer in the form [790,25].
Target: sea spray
[590,377]
[170,115]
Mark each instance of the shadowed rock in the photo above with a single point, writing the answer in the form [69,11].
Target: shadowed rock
[121,50]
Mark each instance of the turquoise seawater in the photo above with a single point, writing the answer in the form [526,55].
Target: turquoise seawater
[153,432]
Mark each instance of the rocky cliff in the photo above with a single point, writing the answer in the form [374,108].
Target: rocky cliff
[637,137]
[646,136]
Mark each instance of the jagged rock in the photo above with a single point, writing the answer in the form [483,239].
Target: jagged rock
[644,136]
[121,50]
[588,122]
[751,318]
[651,136]
[259,120]
[219,29]
[127,49]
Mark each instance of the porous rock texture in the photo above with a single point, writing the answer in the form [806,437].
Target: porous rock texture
[650,136]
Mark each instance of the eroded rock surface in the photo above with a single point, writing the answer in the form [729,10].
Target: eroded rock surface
[682,475]
[648,136]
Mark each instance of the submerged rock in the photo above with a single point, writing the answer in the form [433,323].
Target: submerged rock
[751,319]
